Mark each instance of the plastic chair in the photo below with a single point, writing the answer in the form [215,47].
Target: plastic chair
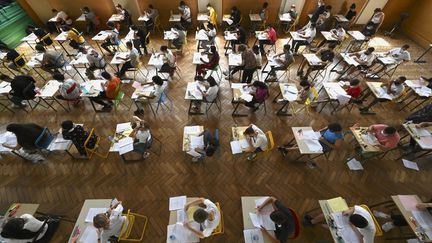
[308,103]
[44,140]
[220,228]
[157,25]
[270,139]
[138,69]
[95,150]
[21,57]
[296,225]
[378,231]
[126,230]
[46,41]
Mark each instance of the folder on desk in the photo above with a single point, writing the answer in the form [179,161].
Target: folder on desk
[337,204]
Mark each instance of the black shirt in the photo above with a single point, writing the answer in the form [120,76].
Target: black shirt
[351,14]
[40,33]
[284,231]
[242,35]
[327,55]
[320,10]
[236,16]
[23,86]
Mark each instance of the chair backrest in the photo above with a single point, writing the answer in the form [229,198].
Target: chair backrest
[18,59]
[378,231]
[296,224]
[270,140]
[125,233]
[44,139]
[91,151]
[46,40]
[220,228]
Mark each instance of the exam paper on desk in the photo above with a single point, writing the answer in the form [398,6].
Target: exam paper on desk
[236,147]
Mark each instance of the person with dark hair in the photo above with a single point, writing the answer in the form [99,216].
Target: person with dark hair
[394,89]
[26,136]
[51,59]
[421,115]
[26,228]
[76,40]
[248,62]
[209,94]
[364,59]
[258,57]
[256,139]
[78,135]
[109,93]
[351,14]
[241,36]
[60,18]
[284,60]
[142,136]
[152,12]
[131,60]
[377,18]
[158,95]
[181,36]
[213,61]
[388,137]
[186,16]
[318,11]
[169,61]
[22,88]
[354,89]
[139,40]
[209,148]
[210,30]
[308,34]
[43,36]
[95,61]
[399,54]
[271,39]
[69,89]
[282,217]
[208,217]
[92,21]
[305,91]
[113,39]
[338,33]
[368,31]
[127,17]
[260,93]
[234,19]
[109,225]
[326,55]
[264,12]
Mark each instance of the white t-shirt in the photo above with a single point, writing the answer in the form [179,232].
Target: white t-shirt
[376,18]
[133,56]
[208,225]
[397,89]
[63,16]
[368,232]
[261,139]
[159,89]
[115,225]
[31,224]
[340,33]
[212,93]
[143,136]
[311,32]
[366,58]
[400,55]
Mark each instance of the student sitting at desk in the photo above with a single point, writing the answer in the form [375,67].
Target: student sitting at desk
[12,57]
[369,31]
[326,55]
[395,88]
[78,136]
[112,40]
[363,58]
[211,64]
[377,18]
[76,40]
[388,137]
[271,35]
[142,136]
[354,90]
[69,89]
[132,60]
[109,93]
[360,220]
[422,115]
[210,31]
[400,55]
[209,95]
[92,21]
[22,88]
[51,60]
[208,217]
[305,91]
[27,228]
[338,33]
[264,12]
[127,17]
[186,17]
[235,17]
[169,61]
[139,40]
[260,93]
[283,219]
[258,57]
[159,88]
[181,36]
[26,136]
[95,61]
[241,35]
[308,34]
[110,224]
[284,60]
[210,145]
[212,16]
[351,14]
[256,139]
[61,18]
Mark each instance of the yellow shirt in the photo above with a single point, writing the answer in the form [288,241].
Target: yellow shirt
[212,16]
[72,35]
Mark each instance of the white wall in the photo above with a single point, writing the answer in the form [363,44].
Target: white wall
[42,9]
[131,6]
[368,10]
[286,5]
[217,4]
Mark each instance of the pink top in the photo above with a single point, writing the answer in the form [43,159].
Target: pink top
[388,141]
[261,94]
[272,35]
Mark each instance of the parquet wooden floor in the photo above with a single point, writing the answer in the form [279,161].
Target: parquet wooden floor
[61,185]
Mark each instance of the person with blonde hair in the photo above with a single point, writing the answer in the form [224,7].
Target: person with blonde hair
[110,224]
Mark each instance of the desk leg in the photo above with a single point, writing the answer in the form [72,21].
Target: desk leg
[277,96]
[40,75]
[64,48]
[334,67]
[46,102]
[76,69]
[280,112]
[60,104]
[424,53]
[234,113]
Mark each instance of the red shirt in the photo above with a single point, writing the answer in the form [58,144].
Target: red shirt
[272,35]
[388,141]
[354,91]
[112,88]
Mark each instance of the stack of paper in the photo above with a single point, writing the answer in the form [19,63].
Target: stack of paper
[236,147]
[176,203]
[424,91]
[382,93]
[121,127]
[425,142]
[192,129]
[253,236]
[421,132]
[246,97]
[337,204]
[259,220]
[125,145]
[369,138]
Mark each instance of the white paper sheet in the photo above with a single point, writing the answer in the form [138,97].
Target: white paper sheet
[193,153]
[425,142]
[125,145]
[93,212]
[410,164]
[369,138]
[313,145]
[421,132]
[267,210]
[236,147]
[244,143]
[310,135]
[423,218]
[177,233]
[253,236]
[89,236]
[354,164]
[197,142]
[121,127]
[246,97]
[262,219]
[181,216]
[176,203]
[192,129]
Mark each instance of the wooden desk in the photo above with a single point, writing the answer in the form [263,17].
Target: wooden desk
[336,94]
[303,148]
[407,214]
[193,94]
[328,210]
[187,135]
[357,40]
[255,18]
[237,90]
[116,18]
[422,141]
[202,17]
[289,94]
[101,37]
[24,208]
[248,206]
[365,145]
[89,203]
[175,18]
[421,92]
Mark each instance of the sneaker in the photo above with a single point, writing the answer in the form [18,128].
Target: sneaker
[146,155]
[252,156]
[379,214]
[311,165]
[387,226]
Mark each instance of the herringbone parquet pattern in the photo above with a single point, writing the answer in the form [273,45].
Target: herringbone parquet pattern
[61,185]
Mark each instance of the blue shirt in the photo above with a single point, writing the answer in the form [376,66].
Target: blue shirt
[331,137]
